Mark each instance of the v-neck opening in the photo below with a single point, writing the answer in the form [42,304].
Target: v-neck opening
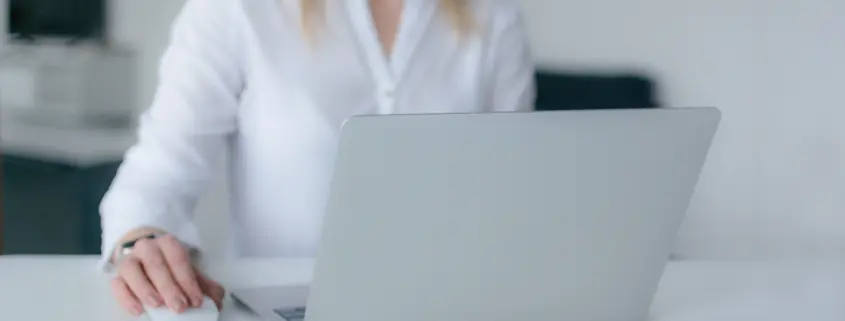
[408,33]
[387,48]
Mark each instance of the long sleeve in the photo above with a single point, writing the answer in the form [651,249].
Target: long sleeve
[511,61]
[185,130]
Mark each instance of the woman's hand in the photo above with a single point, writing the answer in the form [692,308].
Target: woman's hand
[159,272]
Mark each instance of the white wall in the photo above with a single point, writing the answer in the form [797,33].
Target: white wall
[144,26]
[774,185]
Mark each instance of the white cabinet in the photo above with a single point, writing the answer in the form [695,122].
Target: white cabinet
[69,85]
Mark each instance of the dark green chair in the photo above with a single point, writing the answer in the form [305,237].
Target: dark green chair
[557,90]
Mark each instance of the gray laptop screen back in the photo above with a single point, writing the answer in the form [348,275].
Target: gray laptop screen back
[525,216]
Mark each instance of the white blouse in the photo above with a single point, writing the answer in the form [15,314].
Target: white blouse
[240,77]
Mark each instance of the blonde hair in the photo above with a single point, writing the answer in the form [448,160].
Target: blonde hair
[458,12]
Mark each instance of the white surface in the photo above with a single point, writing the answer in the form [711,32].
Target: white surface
[74,85]
[774,184]
[219,85]
[689,291]
[81,146]
[207,312]
[542,216]
[751,291]
[75,290]
[17,88]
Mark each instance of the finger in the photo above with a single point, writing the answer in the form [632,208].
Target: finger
[125,297]
[134,277]
[182,268]
[157,270]
[212,289]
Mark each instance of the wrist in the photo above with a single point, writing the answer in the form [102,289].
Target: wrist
[125,244]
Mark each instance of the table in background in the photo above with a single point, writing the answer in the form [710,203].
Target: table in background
[56,288]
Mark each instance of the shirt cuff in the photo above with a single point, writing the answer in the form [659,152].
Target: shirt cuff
[116,227]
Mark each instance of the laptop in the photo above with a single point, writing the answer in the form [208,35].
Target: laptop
[559,215]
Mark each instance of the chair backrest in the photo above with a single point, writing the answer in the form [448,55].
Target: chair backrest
[560,90]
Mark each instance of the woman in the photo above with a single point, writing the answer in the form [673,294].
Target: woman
[271,81]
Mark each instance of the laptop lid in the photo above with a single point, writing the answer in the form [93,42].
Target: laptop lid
[565,215]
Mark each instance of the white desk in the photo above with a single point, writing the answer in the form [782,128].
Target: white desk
[70,289]
[50,288]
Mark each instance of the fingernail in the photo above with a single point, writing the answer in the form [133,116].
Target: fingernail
[178,307]
[137,310]
[197,301]
[182,304]
[153,301]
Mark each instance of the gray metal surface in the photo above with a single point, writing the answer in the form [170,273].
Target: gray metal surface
[264,301]
[527,216]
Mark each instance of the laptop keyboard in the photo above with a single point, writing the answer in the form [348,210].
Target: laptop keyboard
[295,314]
